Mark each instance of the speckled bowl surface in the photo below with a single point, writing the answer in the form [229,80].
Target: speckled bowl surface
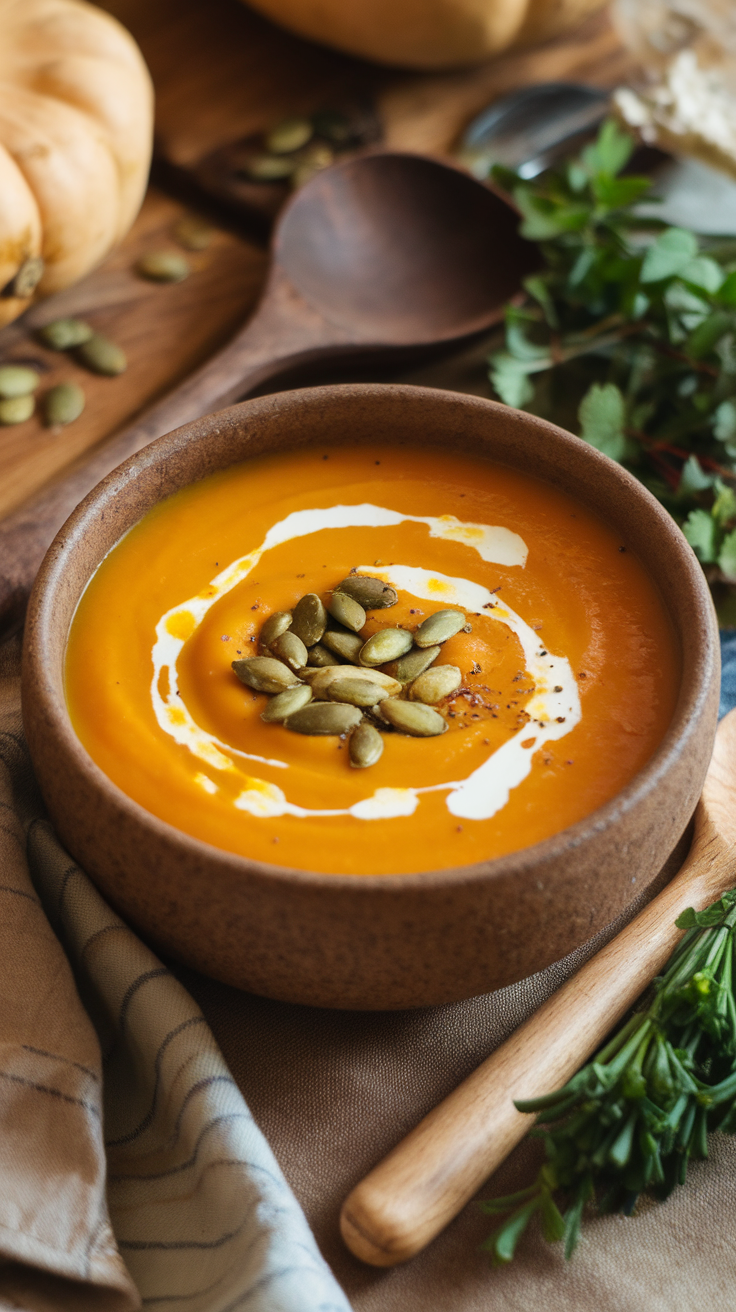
[369,941]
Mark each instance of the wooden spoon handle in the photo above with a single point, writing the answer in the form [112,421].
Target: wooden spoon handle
[283,332]
[425,1181]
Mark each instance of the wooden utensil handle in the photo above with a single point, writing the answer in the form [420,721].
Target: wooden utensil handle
[425,1181]
[274,340]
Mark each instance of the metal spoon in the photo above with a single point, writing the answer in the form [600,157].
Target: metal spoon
[531,128]
[382,254]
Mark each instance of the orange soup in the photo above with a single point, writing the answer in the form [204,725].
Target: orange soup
[568,663]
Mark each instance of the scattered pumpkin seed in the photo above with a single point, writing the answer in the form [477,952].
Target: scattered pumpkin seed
[192,232]
[17,380]
[289,135]
[275,625]
[346,610]
[366,746]
[264,673]
[163,266]
[16,409]
[309,619]
[413,718]
[370,593]
[347,645]
[63,334]
[311,161]
[319,656]
[321,680]
[290,649]
[435,684]
[287,703]
[102,356]
[439,627]
[63,404]
[325,718]
[26,279]
[357,692]
[385,645]
[268,168]
[415,662]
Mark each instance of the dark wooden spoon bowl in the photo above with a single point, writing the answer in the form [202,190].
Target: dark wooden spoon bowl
[401,250]
[378,255]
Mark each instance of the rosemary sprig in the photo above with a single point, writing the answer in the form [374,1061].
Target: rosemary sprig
[628,336]
[631,1120]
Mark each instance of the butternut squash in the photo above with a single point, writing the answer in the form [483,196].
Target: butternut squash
[426,33]
[76,124]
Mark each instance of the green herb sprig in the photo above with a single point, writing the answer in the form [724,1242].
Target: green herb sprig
[631,1120]
[627,334]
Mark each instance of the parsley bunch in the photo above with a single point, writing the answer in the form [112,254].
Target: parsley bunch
[632,1118]
[627,334]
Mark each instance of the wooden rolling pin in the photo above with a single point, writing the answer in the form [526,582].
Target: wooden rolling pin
[424,1182]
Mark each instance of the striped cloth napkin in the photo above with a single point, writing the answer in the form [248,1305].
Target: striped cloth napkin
[133,1173]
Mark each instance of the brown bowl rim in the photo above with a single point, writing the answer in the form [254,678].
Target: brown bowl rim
[692,695]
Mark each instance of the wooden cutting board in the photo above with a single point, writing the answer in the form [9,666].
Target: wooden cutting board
[221,73]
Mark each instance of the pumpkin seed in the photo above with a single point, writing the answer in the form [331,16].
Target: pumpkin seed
[63,404]
[26,279]
[163,266]
[366,746]
[414,663]
[320,657]
[63,334]
[346,610]
[268,168]
[286,703]
[385,645]
[102,356]
[290,650]
[264,674]
[193,233]
[357,692]
[275,625]
[314,158]
[309,619]
[325,718]
[289,135]
[17,380]
[370,593]
[16,409]
[413,718]
[347,645]
[439,627]
[435,684]
[321,680]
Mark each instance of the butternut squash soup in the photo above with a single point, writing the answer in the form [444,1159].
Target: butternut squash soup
[371,661]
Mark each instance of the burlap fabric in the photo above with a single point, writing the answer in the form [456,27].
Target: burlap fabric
[196,1215]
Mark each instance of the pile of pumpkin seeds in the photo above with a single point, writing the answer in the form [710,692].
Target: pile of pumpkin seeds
[296,148]
[323,674]
[18,385]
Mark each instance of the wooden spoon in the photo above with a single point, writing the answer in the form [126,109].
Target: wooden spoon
[425,1181]
[378,255]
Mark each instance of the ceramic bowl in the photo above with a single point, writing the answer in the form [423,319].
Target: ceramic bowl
[370,941]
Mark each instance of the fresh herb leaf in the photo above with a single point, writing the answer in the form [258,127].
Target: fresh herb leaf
[632,1119]
[701,532]
[727,557]
[602,416]
[672,252]
[630,326]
